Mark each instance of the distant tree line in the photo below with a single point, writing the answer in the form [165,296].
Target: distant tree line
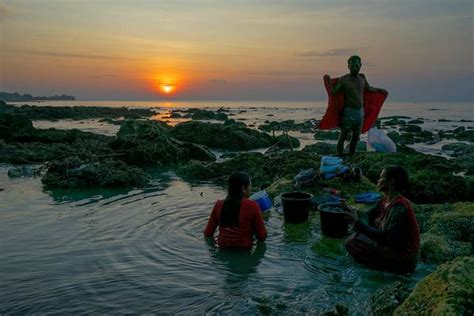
[16,97]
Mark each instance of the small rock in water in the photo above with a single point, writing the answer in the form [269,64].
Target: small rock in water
[15,172]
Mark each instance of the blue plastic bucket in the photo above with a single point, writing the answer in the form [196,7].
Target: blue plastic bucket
[262,199]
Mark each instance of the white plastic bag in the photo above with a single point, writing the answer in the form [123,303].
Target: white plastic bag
[378,141]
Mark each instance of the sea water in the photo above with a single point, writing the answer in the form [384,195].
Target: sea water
[143,251]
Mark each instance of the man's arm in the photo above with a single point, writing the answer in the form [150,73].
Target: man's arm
[369,88]
[337,88]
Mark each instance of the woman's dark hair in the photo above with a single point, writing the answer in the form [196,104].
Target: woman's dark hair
[399,176]
[231,208]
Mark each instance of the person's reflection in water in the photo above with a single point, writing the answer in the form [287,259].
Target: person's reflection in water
[238,265]
[240,261]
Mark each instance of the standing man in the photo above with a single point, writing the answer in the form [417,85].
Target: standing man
[352,86]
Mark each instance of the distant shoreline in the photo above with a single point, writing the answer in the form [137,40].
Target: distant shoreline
[17,97]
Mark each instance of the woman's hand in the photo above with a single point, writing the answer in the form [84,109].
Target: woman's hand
[351,213]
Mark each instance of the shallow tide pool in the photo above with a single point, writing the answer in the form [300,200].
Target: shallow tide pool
[142,251]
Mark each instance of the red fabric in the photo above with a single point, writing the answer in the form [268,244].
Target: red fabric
[413,245]
[250,223]
[373,102]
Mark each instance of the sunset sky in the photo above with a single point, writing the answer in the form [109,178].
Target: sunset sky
[419,50]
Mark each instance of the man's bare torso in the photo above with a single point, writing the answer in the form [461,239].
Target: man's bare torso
[353,89]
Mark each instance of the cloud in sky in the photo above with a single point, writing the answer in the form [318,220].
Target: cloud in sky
[64,54]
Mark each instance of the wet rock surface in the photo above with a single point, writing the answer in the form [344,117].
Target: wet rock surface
[230,136]
[388,298]
[54,113]
[447,291]
[288,125]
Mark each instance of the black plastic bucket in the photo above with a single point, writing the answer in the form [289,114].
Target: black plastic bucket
[296,206]
[333,220]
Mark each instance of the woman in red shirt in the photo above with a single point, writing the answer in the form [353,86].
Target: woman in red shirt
[238,218]
[391,239]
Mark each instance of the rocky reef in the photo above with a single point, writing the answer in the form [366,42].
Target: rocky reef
[54,113]
[447,231]
[138,143]
[447,291]
[223,136]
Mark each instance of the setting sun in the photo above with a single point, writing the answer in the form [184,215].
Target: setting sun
[167,88]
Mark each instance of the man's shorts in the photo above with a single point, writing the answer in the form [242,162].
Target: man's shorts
[352,119]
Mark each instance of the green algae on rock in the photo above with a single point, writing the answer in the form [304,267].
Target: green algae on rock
[321,148]
[386,299]
[288,125]
[447,291]
[326,135]
[232,137]
[424,171]
[149,142]
[74,173]
[447,231]
[54,113]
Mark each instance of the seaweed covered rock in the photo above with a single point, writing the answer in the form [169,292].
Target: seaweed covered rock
[286,141]
[50,144]
[388,298]
[76,173]
[326,135]
[232,137]
[234,123]
[416,121]
[321,148]
[15,127]
[456,221]
[336,310]
[54,113]
[394,121]
[143,129]
[263,169]
[439,249]
[432,177]
[149,142]
[427,186]
[208,115]
[466,135]
[288,125]
[447,291]
[410,128]
[448,231]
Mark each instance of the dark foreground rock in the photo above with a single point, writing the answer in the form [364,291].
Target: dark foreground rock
[447,291]
[388,298]
[432,178]
[149,142]
[76,173]
[53,113]
[288,125]
[232,137]
[201,114]
[96,160]
[447,231]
